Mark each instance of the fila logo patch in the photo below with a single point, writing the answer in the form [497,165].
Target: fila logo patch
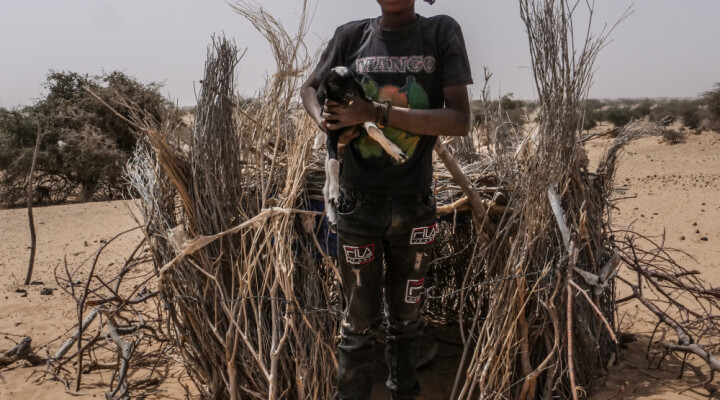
[359,254]
[423,234]
[414,290]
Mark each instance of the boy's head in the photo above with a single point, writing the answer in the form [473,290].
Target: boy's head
[396,6]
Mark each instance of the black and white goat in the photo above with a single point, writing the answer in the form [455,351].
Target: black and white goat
[341,86]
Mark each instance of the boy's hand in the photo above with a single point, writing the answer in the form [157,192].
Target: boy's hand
[337,116]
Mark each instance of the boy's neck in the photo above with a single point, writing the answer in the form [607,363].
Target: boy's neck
[393,21]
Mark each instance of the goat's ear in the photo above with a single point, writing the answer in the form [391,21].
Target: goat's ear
[322,94]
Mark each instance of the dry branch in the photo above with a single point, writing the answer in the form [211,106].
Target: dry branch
[30,191]
[23,351]
[479,211]
[553,199]
[677,297]
[122,307]
[73,339]
[573,255]
[243,286]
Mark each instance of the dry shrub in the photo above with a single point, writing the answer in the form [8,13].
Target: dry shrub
[542,288]
[531,336]
[671,136]
[249,309]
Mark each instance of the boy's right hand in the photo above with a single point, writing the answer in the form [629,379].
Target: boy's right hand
[340,116]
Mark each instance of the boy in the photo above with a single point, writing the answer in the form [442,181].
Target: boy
[416,70]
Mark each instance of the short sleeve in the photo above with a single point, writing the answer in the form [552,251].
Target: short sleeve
[454,62]
[331,57]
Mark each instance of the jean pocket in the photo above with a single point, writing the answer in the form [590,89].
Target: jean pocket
[347,205]
[428,202]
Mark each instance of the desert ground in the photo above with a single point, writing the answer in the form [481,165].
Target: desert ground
[673,191]
[670,189]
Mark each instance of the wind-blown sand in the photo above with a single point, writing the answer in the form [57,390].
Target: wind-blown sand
[676,186]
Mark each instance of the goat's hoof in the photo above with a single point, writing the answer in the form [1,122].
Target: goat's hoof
[333,227]
[400,157]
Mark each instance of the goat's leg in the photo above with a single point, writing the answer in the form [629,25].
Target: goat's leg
[320,137]
[331,189]
[391,148]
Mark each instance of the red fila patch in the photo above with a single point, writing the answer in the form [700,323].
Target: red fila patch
[423,234]
[359,254]
[414,290]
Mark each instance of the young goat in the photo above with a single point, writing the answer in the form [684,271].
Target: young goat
[342,87]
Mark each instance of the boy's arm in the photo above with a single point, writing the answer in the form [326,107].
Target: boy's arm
[453,120]
[308,93]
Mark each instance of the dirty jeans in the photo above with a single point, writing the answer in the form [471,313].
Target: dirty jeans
[399,230]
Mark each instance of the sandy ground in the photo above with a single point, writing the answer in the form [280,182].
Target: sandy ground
[70,233]
[673,189]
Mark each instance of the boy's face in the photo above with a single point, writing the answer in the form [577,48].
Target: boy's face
[396,6]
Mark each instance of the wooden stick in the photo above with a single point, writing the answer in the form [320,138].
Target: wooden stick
[597,311]
[33,239]
[68,343]
[193,245]
[463,204]
[125,351]
[569,276]
[479,212]
[555,204]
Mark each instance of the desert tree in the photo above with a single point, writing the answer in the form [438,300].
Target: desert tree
[712,101]
[84,145]
[618,116]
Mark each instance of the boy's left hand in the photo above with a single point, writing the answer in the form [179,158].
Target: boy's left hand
[338,116]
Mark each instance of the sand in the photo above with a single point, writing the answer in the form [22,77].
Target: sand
[674,189]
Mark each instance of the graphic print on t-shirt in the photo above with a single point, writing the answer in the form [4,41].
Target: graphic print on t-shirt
[411,95]
[384,64]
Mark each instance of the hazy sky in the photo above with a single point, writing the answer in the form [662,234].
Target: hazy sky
[667,48]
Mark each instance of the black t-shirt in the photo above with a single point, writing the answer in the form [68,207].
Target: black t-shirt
[409,67]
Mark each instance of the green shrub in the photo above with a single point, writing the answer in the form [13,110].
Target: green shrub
[505,109]
[590,117]
[84,144]
[643,109]
[712,102]
[618,116]
[690,114]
